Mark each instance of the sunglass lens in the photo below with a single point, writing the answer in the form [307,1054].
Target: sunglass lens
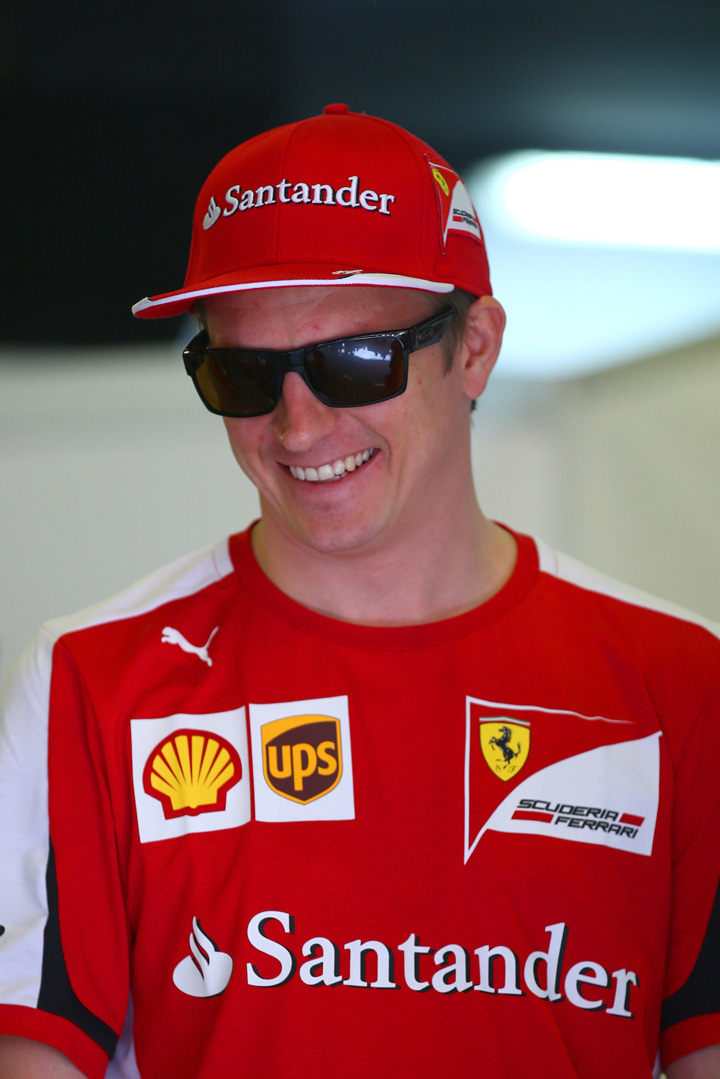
[356,372]
[238,385]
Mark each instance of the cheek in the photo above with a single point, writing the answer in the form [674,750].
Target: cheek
[434,427]
[245,437]
[432,391]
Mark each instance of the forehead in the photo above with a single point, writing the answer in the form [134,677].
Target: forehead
[283,318]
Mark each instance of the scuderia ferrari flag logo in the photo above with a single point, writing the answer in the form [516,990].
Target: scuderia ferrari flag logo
[505,745]
[556,775]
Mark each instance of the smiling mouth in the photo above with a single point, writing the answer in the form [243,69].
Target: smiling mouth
[334,471]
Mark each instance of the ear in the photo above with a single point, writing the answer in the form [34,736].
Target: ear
[482,337]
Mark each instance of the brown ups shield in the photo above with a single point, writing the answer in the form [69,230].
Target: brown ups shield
[302,756]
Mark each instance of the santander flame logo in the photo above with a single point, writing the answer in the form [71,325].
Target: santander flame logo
[213,213]
[206,971]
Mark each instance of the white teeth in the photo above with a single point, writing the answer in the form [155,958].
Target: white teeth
[331,472]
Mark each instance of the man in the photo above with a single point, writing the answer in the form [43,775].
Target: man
[376,742]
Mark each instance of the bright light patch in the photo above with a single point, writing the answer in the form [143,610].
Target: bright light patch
[607,199]
[599,259]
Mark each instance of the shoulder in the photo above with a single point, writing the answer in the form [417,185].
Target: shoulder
[658,654]
[594,588]
[112,632]
[185,578]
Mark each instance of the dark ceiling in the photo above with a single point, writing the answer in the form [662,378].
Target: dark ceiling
[114,113]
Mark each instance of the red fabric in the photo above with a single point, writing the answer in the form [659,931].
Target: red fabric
[372,941]
[389,205]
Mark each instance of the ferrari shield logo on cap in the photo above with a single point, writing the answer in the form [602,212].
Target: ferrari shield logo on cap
[455,208]
[505,746]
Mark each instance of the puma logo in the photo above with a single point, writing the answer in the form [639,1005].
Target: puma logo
[173,636]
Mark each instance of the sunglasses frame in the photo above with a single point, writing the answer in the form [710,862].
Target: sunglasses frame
[425,333]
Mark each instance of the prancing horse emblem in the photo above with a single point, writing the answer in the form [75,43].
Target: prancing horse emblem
[505,745]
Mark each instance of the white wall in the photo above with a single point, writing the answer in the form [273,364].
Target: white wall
[621,469]
[110,467]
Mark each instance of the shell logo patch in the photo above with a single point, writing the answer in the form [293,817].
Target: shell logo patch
[505,745]
[192,772]
[302,756]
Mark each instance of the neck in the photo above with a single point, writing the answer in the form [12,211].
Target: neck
[435,575]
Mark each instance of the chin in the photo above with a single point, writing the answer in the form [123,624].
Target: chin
[337,536]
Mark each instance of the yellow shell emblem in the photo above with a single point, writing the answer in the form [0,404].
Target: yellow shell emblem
[191,772]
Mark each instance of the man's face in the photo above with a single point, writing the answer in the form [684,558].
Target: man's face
[405,460]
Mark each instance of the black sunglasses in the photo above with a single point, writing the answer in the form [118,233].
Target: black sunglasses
[344,373]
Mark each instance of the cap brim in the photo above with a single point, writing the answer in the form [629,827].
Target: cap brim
[305,274]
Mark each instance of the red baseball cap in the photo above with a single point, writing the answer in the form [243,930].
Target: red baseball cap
[338,199]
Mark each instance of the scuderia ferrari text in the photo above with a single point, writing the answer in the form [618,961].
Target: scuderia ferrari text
[449,969]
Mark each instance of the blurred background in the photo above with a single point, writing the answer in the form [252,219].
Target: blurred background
[590,137]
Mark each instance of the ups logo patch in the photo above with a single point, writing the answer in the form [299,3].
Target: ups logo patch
[302,756]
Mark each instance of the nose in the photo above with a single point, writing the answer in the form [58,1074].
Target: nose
[300,419]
